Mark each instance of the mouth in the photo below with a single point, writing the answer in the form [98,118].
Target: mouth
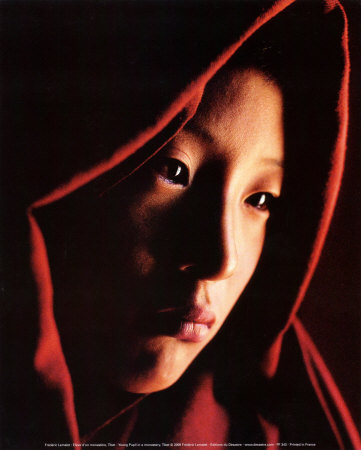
[190,325]
[191,331]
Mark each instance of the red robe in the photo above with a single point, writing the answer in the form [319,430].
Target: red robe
[99,97]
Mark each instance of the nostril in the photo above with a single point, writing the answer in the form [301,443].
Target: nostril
[196,271]
[211,267]
[189,268]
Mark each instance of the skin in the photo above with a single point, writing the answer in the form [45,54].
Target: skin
[233,152]
[185,231]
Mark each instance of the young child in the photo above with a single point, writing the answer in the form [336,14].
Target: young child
[175,237]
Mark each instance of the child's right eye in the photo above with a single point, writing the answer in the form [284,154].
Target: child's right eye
[171,170]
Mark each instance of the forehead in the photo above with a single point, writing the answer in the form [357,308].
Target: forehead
[240,116]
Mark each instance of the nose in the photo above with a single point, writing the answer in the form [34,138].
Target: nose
[213,251]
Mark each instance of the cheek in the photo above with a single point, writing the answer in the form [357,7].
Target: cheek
[249,249]
[144,237]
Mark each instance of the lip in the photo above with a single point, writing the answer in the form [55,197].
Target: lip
[200,315]
[190,324]
[191,331]
[195,325]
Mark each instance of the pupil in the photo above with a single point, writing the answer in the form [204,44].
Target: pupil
[174,170]
[262,200]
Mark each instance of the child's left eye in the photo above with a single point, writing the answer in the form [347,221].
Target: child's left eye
[172,170]
[261,201]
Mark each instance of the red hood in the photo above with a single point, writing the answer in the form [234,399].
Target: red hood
[62,78]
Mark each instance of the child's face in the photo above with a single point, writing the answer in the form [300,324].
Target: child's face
[187,234]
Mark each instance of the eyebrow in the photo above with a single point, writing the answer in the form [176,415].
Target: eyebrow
[200,132]
[273,161]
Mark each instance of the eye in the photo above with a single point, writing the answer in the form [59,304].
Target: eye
[171,170]
[262,201]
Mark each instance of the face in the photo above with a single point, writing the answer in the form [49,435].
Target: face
[184,236]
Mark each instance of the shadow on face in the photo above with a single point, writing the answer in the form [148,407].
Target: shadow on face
[146,274]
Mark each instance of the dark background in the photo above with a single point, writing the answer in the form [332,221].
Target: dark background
[332,308]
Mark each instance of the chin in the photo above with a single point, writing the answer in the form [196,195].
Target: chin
[156,368]
[148,384]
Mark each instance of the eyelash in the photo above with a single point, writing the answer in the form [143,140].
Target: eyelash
[261,201]
[175,172]
[172,171]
